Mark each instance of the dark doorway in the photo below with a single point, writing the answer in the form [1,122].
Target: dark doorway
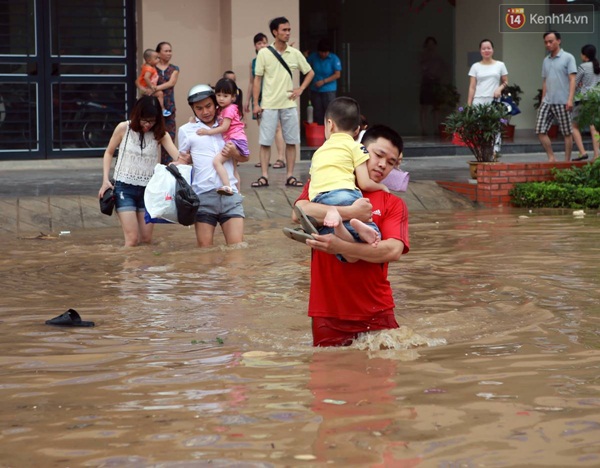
[381,46]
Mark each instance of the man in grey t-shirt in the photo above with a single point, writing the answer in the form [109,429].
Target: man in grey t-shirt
[558,90]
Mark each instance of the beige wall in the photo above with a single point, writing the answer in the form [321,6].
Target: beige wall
[209,37]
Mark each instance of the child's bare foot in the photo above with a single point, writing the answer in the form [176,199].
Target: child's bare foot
[332,218]
[366,233]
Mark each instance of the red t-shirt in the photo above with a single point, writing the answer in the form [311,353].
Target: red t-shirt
[357,291]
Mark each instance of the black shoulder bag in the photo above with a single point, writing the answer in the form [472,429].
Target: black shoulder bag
[281,61]
[186,200]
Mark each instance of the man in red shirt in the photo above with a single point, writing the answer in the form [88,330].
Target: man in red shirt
[356,297]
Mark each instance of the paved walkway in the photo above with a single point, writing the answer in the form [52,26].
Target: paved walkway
[55,205]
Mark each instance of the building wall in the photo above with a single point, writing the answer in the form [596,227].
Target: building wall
[209,37]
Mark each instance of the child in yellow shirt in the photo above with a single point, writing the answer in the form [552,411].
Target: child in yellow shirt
[339,172]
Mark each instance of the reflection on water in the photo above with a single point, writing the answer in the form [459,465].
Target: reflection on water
[205,356]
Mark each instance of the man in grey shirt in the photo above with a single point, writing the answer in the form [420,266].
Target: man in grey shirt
[558,90]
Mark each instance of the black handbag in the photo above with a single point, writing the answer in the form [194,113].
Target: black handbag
[107,201]
[186,200]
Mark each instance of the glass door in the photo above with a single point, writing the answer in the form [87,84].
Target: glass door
[64,75]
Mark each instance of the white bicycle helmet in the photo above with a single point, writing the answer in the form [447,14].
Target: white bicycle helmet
[199,92]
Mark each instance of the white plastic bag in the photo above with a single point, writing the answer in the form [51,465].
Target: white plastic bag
[159,196]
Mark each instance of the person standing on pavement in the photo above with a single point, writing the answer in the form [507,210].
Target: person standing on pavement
[139,141]
[328,69]
[274,66]
[588,76]
[167,79]
[558,91]
[487,79]
[261,41]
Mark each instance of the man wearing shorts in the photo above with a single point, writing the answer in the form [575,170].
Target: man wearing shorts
[214,208]
[356,297]
[558,90]
[278,100]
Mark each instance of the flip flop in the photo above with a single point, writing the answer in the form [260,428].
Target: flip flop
[297,235]
[69,319]
[258,165]
[307,222]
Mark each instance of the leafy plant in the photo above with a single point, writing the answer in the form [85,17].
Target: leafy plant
[588,175]
[537,100]
[478,127]
[513,91]
[446,97]
[589,108]
[577,187]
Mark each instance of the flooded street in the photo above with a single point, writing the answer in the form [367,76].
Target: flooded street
[205,357]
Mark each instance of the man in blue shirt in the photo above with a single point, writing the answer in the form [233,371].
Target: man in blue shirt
[327,68]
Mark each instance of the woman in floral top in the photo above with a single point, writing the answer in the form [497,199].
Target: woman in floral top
[167,79]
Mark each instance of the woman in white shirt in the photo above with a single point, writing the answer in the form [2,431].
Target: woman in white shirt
[139,140]
[487,80]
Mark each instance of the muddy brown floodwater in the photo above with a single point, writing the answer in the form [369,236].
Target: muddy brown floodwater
[205,357]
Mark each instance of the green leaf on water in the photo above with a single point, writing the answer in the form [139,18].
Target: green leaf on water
[220,340]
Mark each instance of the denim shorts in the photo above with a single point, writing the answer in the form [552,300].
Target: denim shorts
[215,208]
[129,197]
[341,197]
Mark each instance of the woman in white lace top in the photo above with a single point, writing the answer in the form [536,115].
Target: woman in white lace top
[139,141]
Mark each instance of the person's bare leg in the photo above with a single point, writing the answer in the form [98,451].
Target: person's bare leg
[547,145]
[145,230]
[334,220]
[130,226]
[218,162]
[595,142]
[280,143]
[366,233]
[265,155]
[233,230]
[290,159]
[204,234]
[578,140]
[568,147]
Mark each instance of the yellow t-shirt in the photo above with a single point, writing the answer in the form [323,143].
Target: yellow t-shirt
[277,83]
[332,165]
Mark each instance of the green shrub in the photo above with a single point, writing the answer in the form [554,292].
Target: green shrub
[588,175]
[554,195]
[577,187]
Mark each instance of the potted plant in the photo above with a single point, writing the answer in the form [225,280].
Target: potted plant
[514,92]
[446,100]
[477,126]
[553,131]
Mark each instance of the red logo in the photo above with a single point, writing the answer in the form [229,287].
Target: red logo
[515,18]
